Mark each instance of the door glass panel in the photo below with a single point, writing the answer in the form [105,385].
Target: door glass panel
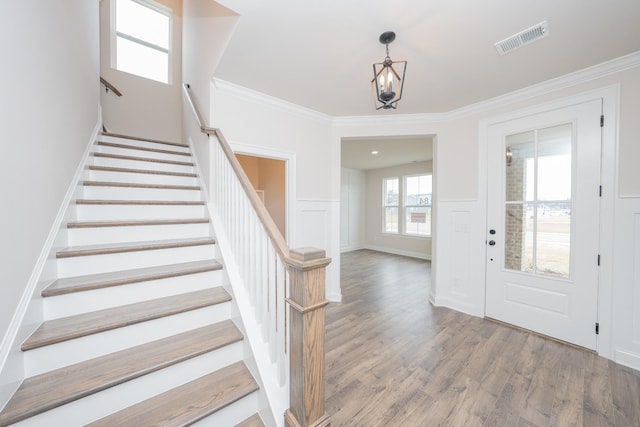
[538,201]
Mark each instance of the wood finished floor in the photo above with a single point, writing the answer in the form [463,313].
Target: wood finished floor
[395,360]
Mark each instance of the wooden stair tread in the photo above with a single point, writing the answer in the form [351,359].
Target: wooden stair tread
[104,280]
[188,403]
[52,389]
[80,325]
[140,171]
[140,202]
[113,248]
[138,138]
[134,223]
[147,149]
[252,421]
[139,185]
[142,159]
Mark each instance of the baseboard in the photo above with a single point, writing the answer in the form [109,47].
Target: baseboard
[11,357]
[334,297]
[394,251]
[454,305]
[351,248]
[627,358]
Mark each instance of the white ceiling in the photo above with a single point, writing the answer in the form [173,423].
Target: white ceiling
[319,53]
[357,152]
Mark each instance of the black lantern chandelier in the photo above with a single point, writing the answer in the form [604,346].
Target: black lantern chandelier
[387,82]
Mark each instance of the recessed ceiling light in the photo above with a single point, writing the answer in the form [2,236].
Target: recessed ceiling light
[374,152]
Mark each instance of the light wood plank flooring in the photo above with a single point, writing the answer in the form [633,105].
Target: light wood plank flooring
[395,360]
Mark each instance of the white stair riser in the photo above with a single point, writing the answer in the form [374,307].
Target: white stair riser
[92,264]
[139,164]
[114,296]
[66,353]
[113,399]
[130,193]
[232,414]
[117,212]
[104,235]
[147,144]
[142,153]
[143,178]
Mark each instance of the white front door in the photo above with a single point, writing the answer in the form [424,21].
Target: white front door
[543,222]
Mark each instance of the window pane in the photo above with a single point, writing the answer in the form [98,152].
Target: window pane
[418,221]
[538,201]
[142,22]
[554,163]
[391,220]
[518,252]
[519,167]
[553,239]
[418,190]
[142,61]
[391,191]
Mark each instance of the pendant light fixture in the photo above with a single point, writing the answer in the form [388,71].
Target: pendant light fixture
[388,77]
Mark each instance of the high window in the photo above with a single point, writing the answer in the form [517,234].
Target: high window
[407,207]
[142,39]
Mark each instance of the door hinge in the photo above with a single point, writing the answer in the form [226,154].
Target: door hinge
[597,328]
[602,121]
[598,259]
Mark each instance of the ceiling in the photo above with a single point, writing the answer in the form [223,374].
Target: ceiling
[357,152]
[319,53]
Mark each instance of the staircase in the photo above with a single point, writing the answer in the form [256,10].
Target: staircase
[138,327]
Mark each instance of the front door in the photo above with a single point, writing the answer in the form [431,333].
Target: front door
[543,222]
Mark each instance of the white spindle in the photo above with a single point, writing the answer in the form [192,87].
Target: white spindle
[264,274]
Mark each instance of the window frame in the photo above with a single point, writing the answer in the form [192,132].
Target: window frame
[386,206]
[405,205]
[402,206]
[114,34]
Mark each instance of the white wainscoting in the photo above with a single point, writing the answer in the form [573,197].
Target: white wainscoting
[626,283]
[317,226]
[459,249]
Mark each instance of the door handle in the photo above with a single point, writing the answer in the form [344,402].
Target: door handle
[492,242]
[492,231]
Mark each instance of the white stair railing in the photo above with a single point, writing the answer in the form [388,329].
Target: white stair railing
[258,248]
[273,276]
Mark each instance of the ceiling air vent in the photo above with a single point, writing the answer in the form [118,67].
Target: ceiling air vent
[523,38]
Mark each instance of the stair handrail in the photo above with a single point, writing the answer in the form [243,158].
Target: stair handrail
[307,302]
[270,226]
[109,87]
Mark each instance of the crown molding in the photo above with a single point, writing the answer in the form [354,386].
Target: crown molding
[604,69]
[268,100]
[585,75]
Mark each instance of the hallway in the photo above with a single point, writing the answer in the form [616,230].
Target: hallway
[395,360]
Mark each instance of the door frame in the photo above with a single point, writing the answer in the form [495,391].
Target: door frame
[610,104]
[289,159]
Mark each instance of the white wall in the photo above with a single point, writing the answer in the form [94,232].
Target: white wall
[147,108]
[249,118]
[49,109]
[417,247]
[352,209]
[207,27]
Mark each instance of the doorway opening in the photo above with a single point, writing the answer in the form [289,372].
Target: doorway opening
[387,194]
[269,178]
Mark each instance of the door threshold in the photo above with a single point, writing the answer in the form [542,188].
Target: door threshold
[510,325]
